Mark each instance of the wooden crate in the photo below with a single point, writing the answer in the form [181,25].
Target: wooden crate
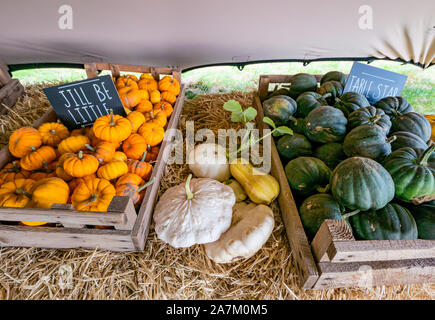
[130,228]
[334,258]
[10,89]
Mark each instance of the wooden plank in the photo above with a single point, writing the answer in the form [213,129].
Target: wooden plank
[91,70]
[301,250]
[114,68]
[375,273]
[329,232]
[9,94]
[65,238]
[263,86]
[141,228]
[5,77]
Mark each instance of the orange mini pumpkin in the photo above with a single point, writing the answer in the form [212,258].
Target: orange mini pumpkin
[132,98]
[155,96]
[134,146]
[133,191]
[93,195]
[80,165]
[146,76]
[112,170]
[144,106]
[37,158]
[169,97]
[164,107]
[112,128]
[13,171]
[22,140]
[119,156]
[148,84]
[52,133]
[140,167]
[103,151]
[152,153]
[129,178]
[170,84]
[76,181]
[136,119]
[16,193]
[73,144]
[157,117]
[152,133]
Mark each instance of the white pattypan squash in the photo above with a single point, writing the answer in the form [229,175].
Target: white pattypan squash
[209,160]
[195,212]
[250,228]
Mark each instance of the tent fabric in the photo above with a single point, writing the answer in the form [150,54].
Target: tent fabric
[191,33]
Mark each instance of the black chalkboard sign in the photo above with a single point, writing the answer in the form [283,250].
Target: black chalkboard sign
[78,104]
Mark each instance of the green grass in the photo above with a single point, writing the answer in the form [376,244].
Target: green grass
[419,88]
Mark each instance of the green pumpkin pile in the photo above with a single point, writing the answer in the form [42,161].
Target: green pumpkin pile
[371,165]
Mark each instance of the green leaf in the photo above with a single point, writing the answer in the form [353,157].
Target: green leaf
[284,130]
[269,122]
[233,106]
[250,114]
[237,117]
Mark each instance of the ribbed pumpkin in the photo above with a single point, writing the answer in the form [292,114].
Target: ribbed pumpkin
[144,106]
[37,158]
[412,122]
[169,84]
[16,193]
[148,84]
[361,183]
[48,191]
[413,172]
[351,101]
[52,133]
[293,146]
[80,165]
[367,141]
[394,106]
[155,96]
[424,216]
[60,171]
[112,128]
[21,141]
[135,146]
[13,171]
[134,191]
[76,181]
[152,153]
[407,139]
[140,167]
[73,144]
[297,125]
[132,98]
[330,153]
[164,107]
[334,76]
[104,151]
[392,222]
[308,101]
[369,115]
[129,178]
[136,119]
[93,195]
[112,170]
[307,175]
[168,96]
[325,124]
[119,156]
[157,117]
[279,109]
[330,90]
[300,83]
[152,133]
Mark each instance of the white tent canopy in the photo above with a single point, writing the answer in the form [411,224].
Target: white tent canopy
[191,33]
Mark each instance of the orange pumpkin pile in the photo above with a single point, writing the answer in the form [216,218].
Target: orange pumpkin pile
[87,167]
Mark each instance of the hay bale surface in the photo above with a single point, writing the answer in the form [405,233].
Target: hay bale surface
[163,272]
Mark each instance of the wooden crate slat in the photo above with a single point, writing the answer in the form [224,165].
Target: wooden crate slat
[375,273]
[4,74]
[9,94]
[303,258]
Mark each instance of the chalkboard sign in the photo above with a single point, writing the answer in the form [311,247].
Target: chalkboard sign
[79,104]
[374,83]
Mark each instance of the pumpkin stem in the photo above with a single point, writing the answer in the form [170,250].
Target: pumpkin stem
[80,156]
[33,148]
[426,155]
[350,214]
[189,194]
[375,118]
[323,189]
[14,168]
[144,156]
[391,139]
[92,198]
[145,185]
[20,191]
[112,121]
[46,168]
[52,131]
[90,147]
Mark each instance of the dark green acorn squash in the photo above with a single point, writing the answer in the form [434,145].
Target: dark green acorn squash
[325,124]
[297,125]
[331,90]
[412,122]
[351,101]
[330,153]
[293,146]
[361,183]
[424,216]
[413,172]
[369,115]
[307,175]
[279,109]
[308,101]
[300,83]
[394,106]
[392,222]
[277,92]
[367,141]
[334,76]
[407,139]
[316,209]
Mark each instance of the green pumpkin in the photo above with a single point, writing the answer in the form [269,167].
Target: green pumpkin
[334,76]
[392,222]
[407,139]
[308,101]
[361,183]
[412,122]
[413,172]
[394,106]
[297,125]
[293,146]
[367,141]
[307,175]
[277,92]
[424,216]
[325,124]
[351,101]
[331,90]
[300,83]
[330,153]
[369,115]
[279,109]
[316,209]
